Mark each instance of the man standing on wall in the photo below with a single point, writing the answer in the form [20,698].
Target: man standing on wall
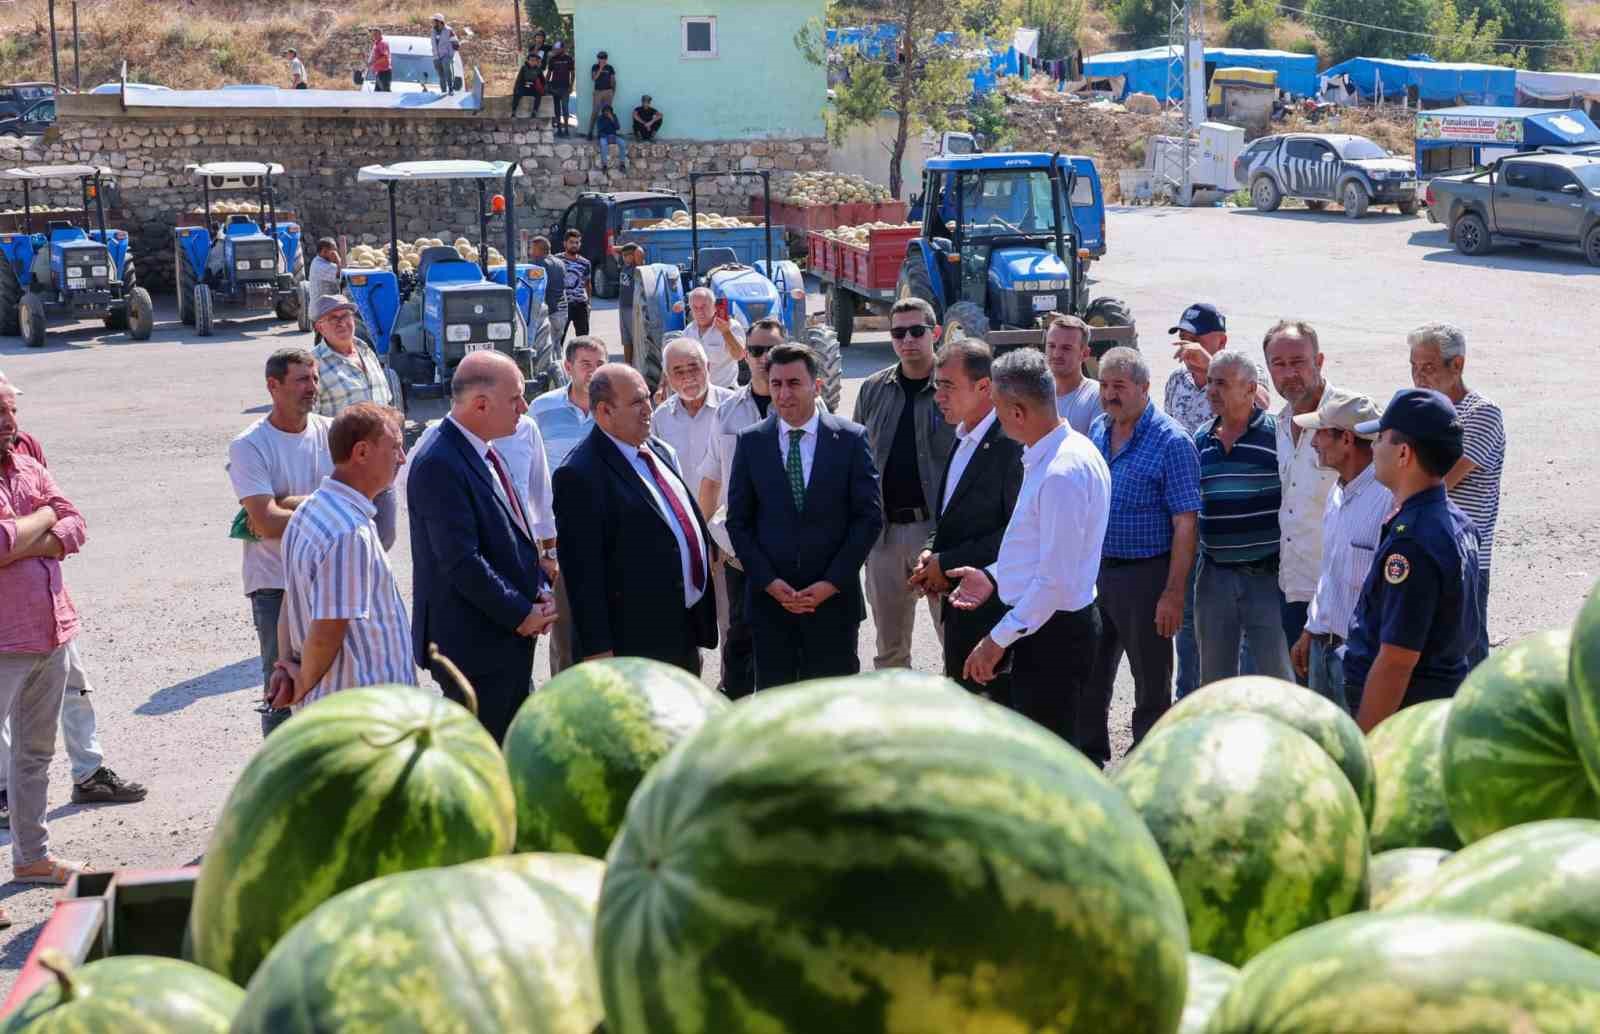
[604,77]
[561,69]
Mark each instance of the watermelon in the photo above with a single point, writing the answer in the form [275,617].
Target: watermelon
[1209,981]
[126,994]
[1261,829]
[885,853]
[1509,756]
[1313,714]
[1414,974]
[1543,875]
[1395,872]
[364,783]
[1408,760]
[1583,685]
[579,746]
[479,948]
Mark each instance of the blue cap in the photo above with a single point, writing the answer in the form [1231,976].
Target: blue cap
[1420,413]
[1200,319]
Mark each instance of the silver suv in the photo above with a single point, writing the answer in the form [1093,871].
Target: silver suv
[1322,167]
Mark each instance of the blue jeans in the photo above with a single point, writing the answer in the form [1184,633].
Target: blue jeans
[1237,606]
[264,607]
[1480,650]
[1188,646]
[622,148]
[1327,674]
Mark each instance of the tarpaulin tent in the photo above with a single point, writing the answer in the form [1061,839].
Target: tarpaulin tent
[1436,82]
[1453,140]
[1572,88]
[1146,71]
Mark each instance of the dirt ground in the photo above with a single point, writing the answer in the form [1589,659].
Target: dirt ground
[137,434]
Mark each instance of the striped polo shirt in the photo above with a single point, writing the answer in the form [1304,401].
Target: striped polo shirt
[1239,492]
[335,567]
[1483,441]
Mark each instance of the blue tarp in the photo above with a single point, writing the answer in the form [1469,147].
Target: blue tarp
[1146,71]
[1437,82]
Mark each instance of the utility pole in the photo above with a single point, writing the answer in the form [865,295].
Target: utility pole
[1186,75]
[77,75]
[55,56]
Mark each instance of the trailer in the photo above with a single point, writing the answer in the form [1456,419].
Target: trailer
[802,219]
[749,244]
[858,280]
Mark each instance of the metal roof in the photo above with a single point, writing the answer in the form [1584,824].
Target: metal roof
[52,172]
[235,169]
[449,169]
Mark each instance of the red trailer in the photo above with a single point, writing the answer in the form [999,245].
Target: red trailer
[858,280]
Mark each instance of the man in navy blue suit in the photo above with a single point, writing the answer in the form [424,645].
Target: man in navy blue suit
[803,512]
[478,592]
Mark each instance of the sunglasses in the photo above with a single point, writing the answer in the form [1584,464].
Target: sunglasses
[917,332]
[758,350]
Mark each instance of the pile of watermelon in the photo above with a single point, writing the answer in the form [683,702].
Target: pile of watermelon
[887,853]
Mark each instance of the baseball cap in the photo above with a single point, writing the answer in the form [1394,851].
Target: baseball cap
[647,98]
[330,303]
[601,54]
[1420,413]
[1340,410]
[1200,319]
[438,17]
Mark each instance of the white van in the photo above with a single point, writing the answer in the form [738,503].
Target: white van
[412,60]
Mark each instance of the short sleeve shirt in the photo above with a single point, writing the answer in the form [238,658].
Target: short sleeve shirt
[1186,402]
[266,461]
[577,277]
[1483,441]
[1080,406]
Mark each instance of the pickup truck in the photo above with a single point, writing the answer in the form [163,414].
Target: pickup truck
[1528,198]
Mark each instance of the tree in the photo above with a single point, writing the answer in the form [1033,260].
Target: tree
[1145,20]
[1462,37]
[542,14]
[1250,24]
[1524,20]
[1359,30]
[1056,20]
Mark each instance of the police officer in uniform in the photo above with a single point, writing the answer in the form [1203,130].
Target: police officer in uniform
[1417,618]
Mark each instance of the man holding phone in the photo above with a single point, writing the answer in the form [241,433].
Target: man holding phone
[721,336]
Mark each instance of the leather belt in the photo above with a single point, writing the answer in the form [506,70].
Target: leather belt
[1328,639]
[907,515]
[1117,561]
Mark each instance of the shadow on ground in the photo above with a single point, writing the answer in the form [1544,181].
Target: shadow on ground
[241,674]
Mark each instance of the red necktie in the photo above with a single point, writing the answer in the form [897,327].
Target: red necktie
[511,493]
[696,565]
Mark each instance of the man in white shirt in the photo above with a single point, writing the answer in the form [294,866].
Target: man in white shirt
[1049,559]
[1352,528]
[1066,349]
[687,419]
[322,278]
[297,69]
[721,336]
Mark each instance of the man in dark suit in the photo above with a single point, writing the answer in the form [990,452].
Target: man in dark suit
[477,589]
[977,493]
[633,536]
[803,512]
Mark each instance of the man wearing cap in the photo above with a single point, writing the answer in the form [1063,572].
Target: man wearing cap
[1417,619]
[1352,524]
[604,77]
[445,45]
[297,69]
[646,120]
[347,373]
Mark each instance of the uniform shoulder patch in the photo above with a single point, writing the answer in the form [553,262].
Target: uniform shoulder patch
[1396,569]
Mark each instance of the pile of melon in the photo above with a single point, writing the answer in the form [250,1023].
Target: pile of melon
[367,256]
[705,220]
[828,188]
[858,236]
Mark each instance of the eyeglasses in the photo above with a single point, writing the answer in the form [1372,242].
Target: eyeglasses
[917,331]
[758,350]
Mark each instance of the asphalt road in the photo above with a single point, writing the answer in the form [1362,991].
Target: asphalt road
[137,434]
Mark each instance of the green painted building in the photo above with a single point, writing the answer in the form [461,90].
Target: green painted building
[717,69]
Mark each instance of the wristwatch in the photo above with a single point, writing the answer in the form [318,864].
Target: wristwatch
[549,554]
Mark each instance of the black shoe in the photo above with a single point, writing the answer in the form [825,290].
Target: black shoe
[5,811]
[104,787]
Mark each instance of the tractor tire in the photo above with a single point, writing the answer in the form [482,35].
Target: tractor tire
[830,365]
[117,318]
[140,315]
[31,316]
[842,314]
[1471,235]
[1265,194]
[965,320]
[607,279]
[397,392]
[649,357]
[303,317]
[1407,207]
[1106,312]
[202,311]
[914,283]
[186,279]
[1355,199]
[10,299]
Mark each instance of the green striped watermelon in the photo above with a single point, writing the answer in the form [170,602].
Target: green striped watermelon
[885,853]
[480,948]
[1261,829]
[1543,875]
[1408,760]
[579,746]
[1380,973]
[1209,982]
[1509,756]
[1313,714]
[127,994]
[1398,871]
[362,784]
[1583,685]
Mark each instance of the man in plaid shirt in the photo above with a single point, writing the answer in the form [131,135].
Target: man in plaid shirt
[1149,546]
[349,372]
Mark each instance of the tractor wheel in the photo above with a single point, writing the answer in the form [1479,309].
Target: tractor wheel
[913,281]
[648,353]
[1355,199]
[830,364]
[1106,312]
[10,299]
[965,319]
[607,278]
[1265,194]
[397,392]
[303,316]
[185,279]
[202,310]
[842,313]
[140,314]
[31,313]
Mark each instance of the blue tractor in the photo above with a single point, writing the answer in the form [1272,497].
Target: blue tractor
[424,321]
[247,259]
[770,287]
[1003,250]
[68,270]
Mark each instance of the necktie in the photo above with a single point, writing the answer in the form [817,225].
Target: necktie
[697,567]
[511,493]
[797,469]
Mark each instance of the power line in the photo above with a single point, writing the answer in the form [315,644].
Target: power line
[1530,44]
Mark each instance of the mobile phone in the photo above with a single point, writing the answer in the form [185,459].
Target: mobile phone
[722,308]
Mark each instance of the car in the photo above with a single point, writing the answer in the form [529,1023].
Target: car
[602,217]
[104,88]
[33,121]
[1322,167]
[1528,198]
[15,98]
[411,67]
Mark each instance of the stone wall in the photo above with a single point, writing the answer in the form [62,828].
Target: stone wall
[322,153]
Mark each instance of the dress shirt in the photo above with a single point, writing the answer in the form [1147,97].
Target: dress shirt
[690,436]
[1305,497]
[1154,476]
[1050,556]
[808,444]
[737,413]
[1352,528]
[344,380]
[481,447]
[630,453]
[721,368]
[966,448]
[37,615]
[524,455]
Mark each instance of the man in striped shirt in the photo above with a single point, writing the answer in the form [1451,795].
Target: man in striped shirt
[344,624]
[348,371]
[1236,592]
[1438,355]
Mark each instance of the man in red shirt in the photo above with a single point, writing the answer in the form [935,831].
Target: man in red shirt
[380,67]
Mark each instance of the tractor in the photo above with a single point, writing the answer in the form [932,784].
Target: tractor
[1008,255]
[424,321]
[236,261]
[68,270]
[748,292]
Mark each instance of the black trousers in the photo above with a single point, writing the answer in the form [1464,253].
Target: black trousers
[963,629]
[577,319]
[795,647]
[738,646]
[385,81]
[1129,593]
[642,134]
[500,692]
[1050,675]
[516,99]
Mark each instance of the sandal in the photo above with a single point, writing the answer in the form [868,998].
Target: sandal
[57,875]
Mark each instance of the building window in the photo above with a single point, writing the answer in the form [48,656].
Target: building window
[700,37]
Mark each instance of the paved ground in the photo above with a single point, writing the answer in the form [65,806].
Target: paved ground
[137,434]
